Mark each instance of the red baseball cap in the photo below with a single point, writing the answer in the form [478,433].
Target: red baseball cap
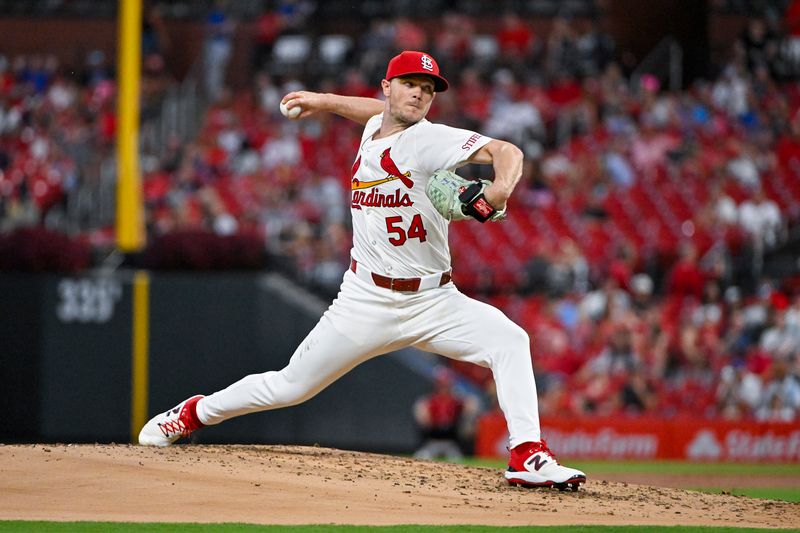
[411,62]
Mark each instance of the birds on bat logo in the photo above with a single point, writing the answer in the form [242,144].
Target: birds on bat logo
[375,198]
[392,173]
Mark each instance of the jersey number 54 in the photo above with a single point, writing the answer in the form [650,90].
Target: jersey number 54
[398,236]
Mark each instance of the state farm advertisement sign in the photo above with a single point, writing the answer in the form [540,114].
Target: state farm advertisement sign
[605,442]
[651,438]
[755,443]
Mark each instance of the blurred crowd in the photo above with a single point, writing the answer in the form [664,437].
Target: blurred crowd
[58,128]
[634,249]
[618,351]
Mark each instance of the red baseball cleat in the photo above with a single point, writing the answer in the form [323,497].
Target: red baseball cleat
[532,464]
[166,428]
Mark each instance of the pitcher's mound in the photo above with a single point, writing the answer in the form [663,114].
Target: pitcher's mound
[308,485]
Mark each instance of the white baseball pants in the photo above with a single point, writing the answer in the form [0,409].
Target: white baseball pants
[366,321]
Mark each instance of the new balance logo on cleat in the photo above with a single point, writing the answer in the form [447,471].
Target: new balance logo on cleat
[532,464]
[535,461]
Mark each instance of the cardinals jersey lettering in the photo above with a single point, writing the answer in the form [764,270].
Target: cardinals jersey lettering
[396,230]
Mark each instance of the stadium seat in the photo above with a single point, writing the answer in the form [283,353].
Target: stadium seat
[484,48]
[333,49]
[290,50]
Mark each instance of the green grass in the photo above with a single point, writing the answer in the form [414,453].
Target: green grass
[663,467]
[598,469]
[768,493]
[678,467]
[121,527]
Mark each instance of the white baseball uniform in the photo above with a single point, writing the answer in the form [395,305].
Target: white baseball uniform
[397,292]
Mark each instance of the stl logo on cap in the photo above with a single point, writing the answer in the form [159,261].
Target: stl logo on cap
[427,62]
[412,62]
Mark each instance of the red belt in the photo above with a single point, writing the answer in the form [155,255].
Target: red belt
[401,284]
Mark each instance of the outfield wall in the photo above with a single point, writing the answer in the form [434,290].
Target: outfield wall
[648,438]
[66,361]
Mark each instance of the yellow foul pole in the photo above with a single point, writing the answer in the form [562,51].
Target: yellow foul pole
[140,353]
[130,212]
[130,216]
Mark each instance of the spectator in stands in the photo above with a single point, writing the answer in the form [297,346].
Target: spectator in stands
[355,83]
[711,311]
[21,210]
[331,255]
[743,164]
[614,99]
[605,377]
[723,208]
[791,20]
[731,92]
[761,218]
[218,48]
[650,147]
[155,81]
[555,399]
[568,273]
[637,395]
[780,400]
[793,314]
[376,46]
[641,288]
[474,98]
[444,419]
[691,353]
[6,75]
[282,150]
[607,301]
[37,72]
[96,69]
[295,14]
[616,163]
[155,35]
[515,39]
[739,391]
[408,35]
[268,27]
[594,48]
[686,279]
[758,45]
[453,44]
[618,357]
[781,339]
[511,117]
[325,194]
[787,148]
[267,94]
[561,53]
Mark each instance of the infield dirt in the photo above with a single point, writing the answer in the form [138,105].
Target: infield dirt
[309,485]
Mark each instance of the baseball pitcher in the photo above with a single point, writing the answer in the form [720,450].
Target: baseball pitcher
[398,291]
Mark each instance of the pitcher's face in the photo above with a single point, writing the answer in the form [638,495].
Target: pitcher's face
[409,97]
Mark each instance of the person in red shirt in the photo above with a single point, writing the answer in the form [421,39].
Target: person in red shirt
[515,38]
[686,277]
[787,149]
[409,35]
[443,418]
[791,18]
[268,27]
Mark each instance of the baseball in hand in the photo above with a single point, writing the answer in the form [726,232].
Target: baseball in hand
[290,113]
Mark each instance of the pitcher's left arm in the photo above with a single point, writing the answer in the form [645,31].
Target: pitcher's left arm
[506,159]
